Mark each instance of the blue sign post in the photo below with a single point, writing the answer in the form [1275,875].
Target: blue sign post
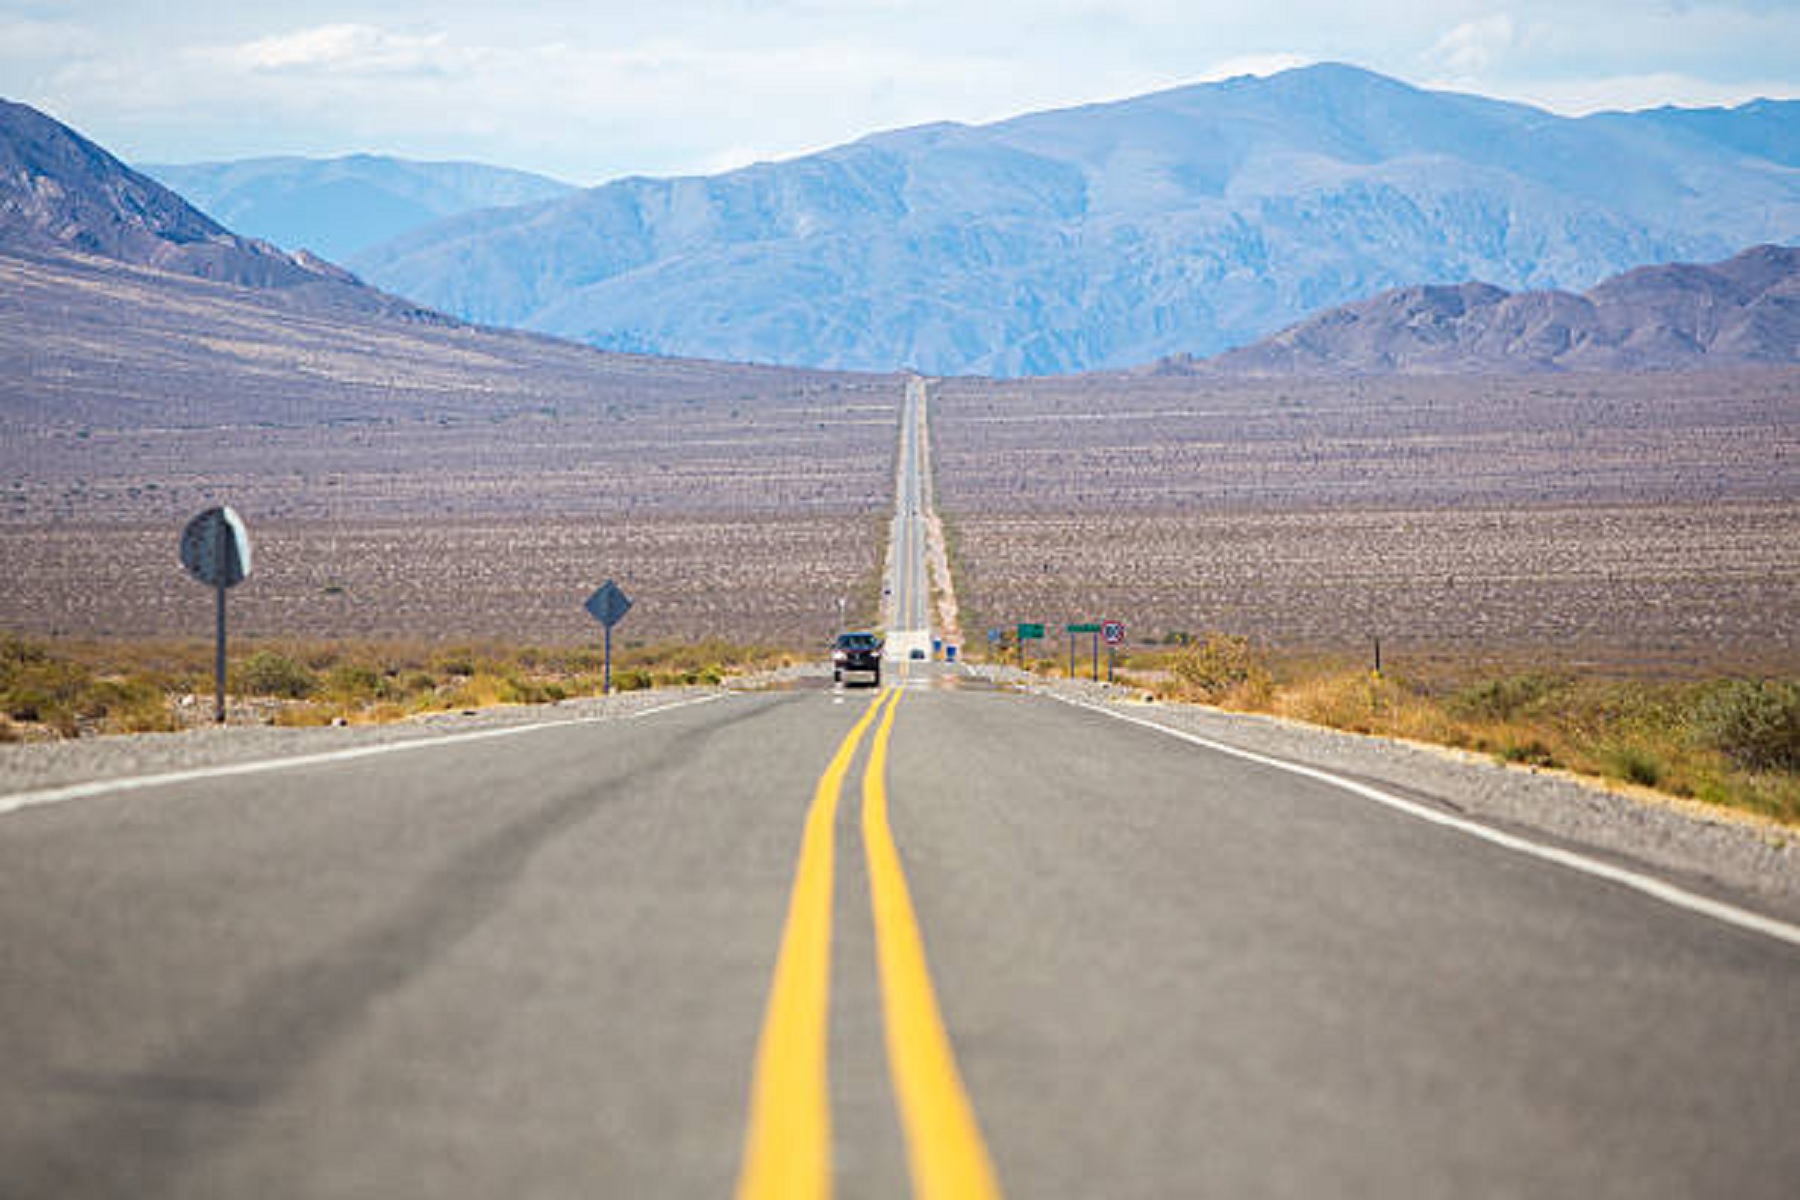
[608,606]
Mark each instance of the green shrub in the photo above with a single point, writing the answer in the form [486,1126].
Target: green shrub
[460,663]
[129,706]
[16,652]
[517,688]
[266,673]
[1531,752]
[1754,724]
[39,688]
[1634,764]
[1505,699]
[356,681]
[633,679]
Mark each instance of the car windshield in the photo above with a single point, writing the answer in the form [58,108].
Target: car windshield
[856,641]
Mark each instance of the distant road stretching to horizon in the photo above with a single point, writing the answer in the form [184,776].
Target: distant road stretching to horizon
[936,939]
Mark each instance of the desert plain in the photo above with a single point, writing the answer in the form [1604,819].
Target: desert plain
[418,481]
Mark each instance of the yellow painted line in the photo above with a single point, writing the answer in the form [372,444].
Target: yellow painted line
[787,1146]
[944,1148]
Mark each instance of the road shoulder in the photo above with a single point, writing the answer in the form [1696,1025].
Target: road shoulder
[1716,853]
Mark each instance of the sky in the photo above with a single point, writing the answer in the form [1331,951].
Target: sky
[590,90]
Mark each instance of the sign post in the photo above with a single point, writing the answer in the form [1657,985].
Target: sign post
[1028,629]
[215,549]
[608,605]
[1114,633]
[1084,627]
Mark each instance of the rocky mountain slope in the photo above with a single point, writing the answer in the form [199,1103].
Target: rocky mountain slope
[60,193]
[1744,310]
[1115,234]
[337,207]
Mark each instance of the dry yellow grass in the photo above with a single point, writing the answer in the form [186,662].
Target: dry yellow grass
[1728,741]
[70,688]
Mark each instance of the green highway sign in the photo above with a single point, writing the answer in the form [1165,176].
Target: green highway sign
[1094,628]
[1030,630]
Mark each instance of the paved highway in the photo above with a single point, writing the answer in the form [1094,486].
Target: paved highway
[906,612]
[937,939]
[542,966]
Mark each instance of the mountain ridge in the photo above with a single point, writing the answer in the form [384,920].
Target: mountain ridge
[1110,235]
[1741,311]
[336,207]
[62,193]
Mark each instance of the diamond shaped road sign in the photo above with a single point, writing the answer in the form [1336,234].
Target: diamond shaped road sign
[608,605]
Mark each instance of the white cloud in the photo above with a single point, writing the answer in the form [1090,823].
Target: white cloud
[587,89]
[1589,55]
[345,49]
[1628,93]
[1474,47]
[27,38]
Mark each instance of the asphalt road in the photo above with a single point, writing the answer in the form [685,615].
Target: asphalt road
[937,939]
[906,611]
[540,966]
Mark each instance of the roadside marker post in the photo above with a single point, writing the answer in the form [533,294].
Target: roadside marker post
[215,549]
[1084,627]
[608,605]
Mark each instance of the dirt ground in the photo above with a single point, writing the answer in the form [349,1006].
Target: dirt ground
[1640,522]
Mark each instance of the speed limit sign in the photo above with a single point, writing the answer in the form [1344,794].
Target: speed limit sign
[1113,632]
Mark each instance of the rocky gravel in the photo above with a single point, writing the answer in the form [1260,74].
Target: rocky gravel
[1720,853]
[251,737]
[37,766]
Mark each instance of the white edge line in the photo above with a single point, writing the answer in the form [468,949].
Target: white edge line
[1648,885]
[132,783]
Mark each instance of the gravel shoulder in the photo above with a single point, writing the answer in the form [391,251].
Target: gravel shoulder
[1715,852]
[28,767]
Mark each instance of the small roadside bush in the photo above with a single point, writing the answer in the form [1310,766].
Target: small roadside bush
[44,692]
[1528,752]
[1755,724]
[266,673]
[1506,699]
[1220,669]
[352,681]
[632,679]
[1634,764]
[460,663]
[39,688]
[523,689]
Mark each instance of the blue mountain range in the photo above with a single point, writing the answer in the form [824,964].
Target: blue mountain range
[339,207]
[1185,222]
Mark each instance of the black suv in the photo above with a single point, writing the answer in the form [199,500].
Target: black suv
[856,652]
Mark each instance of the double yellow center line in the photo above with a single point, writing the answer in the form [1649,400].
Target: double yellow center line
[787,1149]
